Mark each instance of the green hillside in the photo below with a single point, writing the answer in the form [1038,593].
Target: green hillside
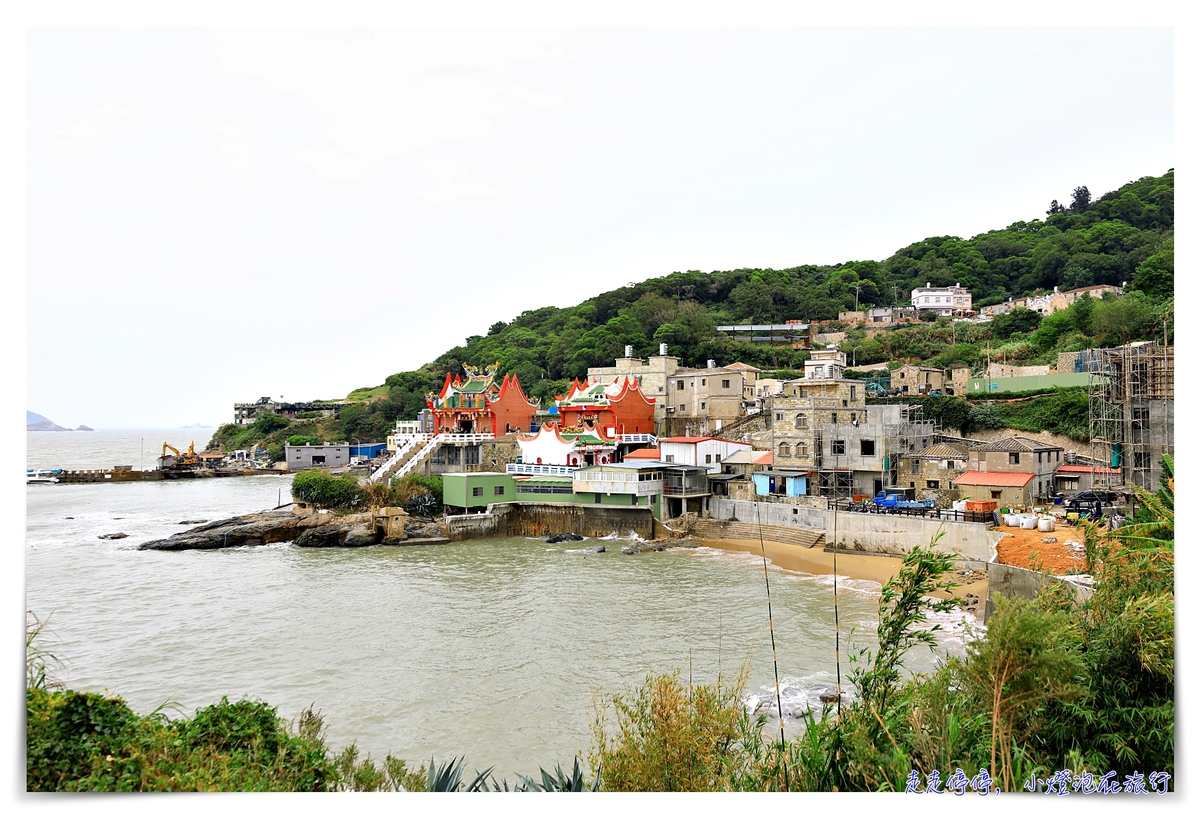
[1126,235]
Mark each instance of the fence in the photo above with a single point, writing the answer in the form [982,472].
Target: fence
[949,514]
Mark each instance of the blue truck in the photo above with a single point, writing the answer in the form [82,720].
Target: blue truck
[900,499]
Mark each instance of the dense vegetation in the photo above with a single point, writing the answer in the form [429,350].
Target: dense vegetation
[415,493]
[1126,235]
[1055,692]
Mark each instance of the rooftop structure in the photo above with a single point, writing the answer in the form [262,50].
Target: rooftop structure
[949,301]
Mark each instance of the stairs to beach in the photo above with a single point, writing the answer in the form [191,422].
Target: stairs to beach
[710,529]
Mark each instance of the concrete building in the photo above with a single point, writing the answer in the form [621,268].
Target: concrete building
[477,490]
[1008,489]
[1072,478]
[1018,455]
[688,400]
[246,413]
[699,451]
[861,452]
[947,301]
[326,456]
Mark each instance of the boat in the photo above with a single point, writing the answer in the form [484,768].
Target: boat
[35,477]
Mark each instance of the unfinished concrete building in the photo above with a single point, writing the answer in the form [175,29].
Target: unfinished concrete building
[1131,408]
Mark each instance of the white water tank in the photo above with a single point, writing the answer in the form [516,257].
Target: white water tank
[1045,524]
[662,349]
[628,350]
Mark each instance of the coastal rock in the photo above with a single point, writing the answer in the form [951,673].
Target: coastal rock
[359,537]
[595,549]
[567,537]
[191,522]
[120,535]
[247,529]
[82,428]
[425,531]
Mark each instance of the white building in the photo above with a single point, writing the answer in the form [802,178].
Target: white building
[954,300]
[698,451]
[824,364]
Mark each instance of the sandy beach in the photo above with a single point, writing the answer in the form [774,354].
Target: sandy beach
[818,561]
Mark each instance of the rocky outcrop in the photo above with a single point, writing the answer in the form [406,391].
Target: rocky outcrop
[306,529]
[248,529]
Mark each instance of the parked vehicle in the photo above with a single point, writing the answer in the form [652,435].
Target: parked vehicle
[897,500]
[1093,496]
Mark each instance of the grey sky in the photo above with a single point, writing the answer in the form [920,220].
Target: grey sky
[216,215]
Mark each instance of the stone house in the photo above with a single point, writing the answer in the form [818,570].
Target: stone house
[914,379]
[931,471]
[1017,455]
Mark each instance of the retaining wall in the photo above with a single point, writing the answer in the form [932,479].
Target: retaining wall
[541,519]
[1009,581]
[781,514]
[873,533]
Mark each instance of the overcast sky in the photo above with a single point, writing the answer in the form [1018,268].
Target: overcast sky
[218,215]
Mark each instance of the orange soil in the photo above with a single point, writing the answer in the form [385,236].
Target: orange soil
[1018,548]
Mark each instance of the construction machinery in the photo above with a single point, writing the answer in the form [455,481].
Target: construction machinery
[180,460]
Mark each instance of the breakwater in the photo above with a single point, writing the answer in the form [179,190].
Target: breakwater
[123,475]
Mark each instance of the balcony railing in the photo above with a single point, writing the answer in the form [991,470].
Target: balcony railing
[537,468]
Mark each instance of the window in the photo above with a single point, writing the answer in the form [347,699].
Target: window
[853,392]
[995,494]
[866,448]
[681,407]
[785,450]
[837,447]
[679,384]
[725,384]
[1014,458]
[801,449]
[931,484]
[915,465]
[702,404]
[708,458]
[704,381]
[779,415]
[476,491]
[1039,457]
[669,458]
[833,417]
[498,491]
[801,421]
[318,460]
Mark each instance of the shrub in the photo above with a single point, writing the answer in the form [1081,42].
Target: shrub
[323,489]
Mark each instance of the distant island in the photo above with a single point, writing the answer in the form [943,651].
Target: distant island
[40,423]
[196,426]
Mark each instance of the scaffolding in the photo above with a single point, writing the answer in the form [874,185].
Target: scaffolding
[1131,410]
[901,431]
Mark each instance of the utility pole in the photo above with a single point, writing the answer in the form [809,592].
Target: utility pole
[857,285]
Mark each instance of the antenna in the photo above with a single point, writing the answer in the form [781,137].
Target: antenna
[774,657]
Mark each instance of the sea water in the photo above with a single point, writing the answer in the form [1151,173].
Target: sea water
[495,649]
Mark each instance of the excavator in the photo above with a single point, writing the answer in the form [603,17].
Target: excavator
[188,460]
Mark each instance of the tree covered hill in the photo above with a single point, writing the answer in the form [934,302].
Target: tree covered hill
[1125,235]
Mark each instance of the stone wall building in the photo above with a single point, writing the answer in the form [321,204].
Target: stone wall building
[931,471]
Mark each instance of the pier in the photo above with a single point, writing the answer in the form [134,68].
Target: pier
[122,474]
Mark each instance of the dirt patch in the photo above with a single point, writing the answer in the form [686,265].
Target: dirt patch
[1056,557]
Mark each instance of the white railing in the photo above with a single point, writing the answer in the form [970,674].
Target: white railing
[418,458]
[536,468]
[638,438]
[404,445]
